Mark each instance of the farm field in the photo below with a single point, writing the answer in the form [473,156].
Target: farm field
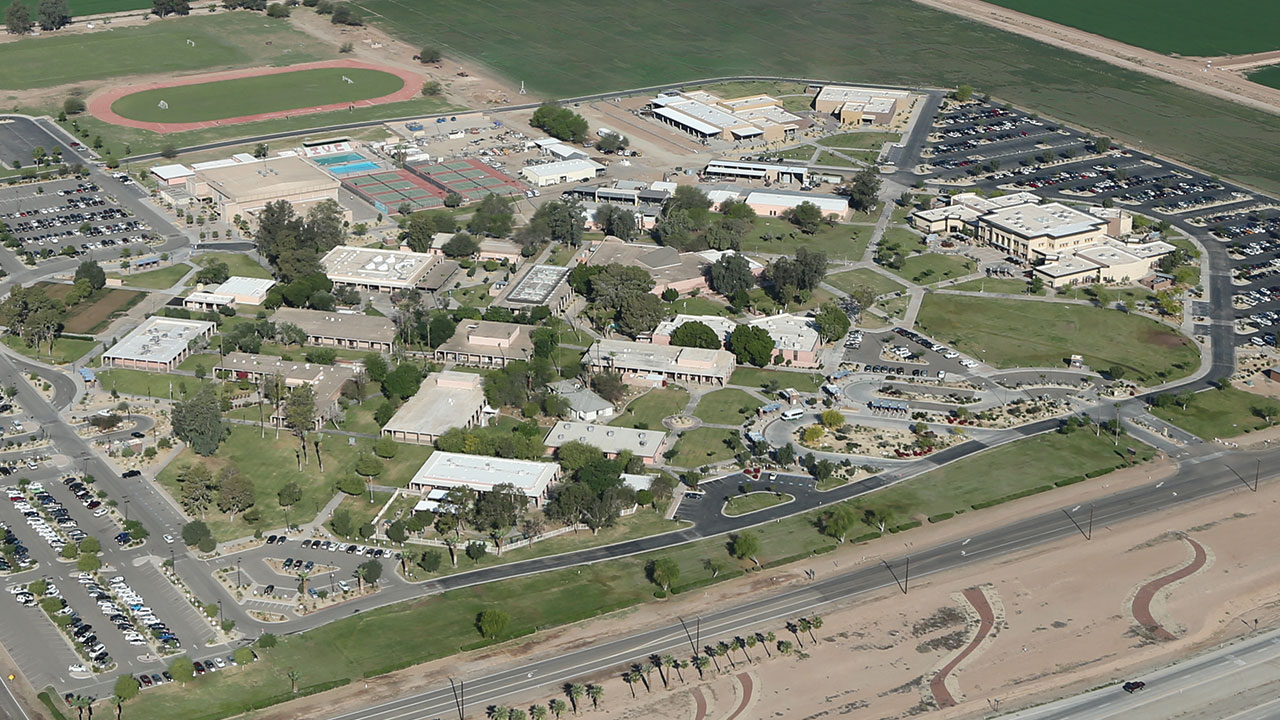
[223,40]
[1269,76]
[93,313]
[897,42]
[1020,333]
[252,95]
[1182,27]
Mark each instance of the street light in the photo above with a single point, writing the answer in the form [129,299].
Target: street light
[126,507]
[238,583]
[220,620]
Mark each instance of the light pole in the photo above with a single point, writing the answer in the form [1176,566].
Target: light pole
[221,621]
[126,508]
[238,583]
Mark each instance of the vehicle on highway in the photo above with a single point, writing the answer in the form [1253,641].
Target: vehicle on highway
[1133,686]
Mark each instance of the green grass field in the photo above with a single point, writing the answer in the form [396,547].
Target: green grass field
[224,40]
[724,407]
[934,267]
[702,446]
[237,263]
[896,42]
[1221,413]
[65,350]
[755,502]
[859,140]
[161,279]
[1269,76]
[1183,27]
[833,160]
[839,242]
[1024,333]
[1007,286]
[81,8]
[136,382]
[862,277]
[759,377]
[698,306]
[261,94]
[649,409]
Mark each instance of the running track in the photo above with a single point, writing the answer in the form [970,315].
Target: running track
[100,104]
[938,685]
[1142,601]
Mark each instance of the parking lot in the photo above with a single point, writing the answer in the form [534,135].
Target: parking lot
[68,217]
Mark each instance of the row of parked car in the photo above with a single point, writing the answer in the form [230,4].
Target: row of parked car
[348,548]
[21,555]
[52,533]
[937,347]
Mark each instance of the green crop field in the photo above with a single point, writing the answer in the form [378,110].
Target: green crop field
[883,41]
[1023,333]
[81,8]
[221,41]
[1182,27]
[1269,76]
[261,94]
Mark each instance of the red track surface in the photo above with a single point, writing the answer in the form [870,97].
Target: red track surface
[938,685]
[100,104]
[745,679]
[700,704]
[1142,601]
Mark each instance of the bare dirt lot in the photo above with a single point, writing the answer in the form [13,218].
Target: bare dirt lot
[1188,72]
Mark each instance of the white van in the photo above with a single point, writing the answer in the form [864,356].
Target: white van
[793,414]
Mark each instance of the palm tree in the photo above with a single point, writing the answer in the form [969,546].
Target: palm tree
[303,575]
[595,692]
[645,669]
[671,662]
[660,662]
[631,677]
[361,573]
[747,642]
[765,640]
[557,707]
[498,712]
[713,654]
[515,714]
[724,650]
[806,626]
[294,677]
[784,647]
[815,623]
[80,703]
[537,712]
[681,666]
[576,691]
[700,663]
[795,632]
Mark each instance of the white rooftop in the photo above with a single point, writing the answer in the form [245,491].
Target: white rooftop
[241,285]
[789,332]
[482,473]
[172,172]
[848,93]
[645,357]
[563,167]
[445,400]
[828,204]
[1050,219]
[388,268]
[611,440]
[720,325]
[159,339]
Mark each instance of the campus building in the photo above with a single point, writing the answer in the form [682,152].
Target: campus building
[342,330]
[445,400]
[444,471]
[1111,261]
[564,171]
[774,203]
[864,106]
[963,211]
[708,117]
[487,344]
[326,381]
[236,291]
[159,344]
[538,285]
[377,270]
[584,404]
[1036,233]
[612,441]
[720,325]
[655,365]
[795,339]
[244,189]
[745,170]
[669,268]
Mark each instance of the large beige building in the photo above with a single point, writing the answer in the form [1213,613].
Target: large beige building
[862,105]
[326,381]
[356,332]
[244,189]
[648,364]
[446,400]
[483,343]
[386,270]
[709,117]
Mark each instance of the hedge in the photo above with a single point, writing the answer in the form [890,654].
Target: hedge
[725,575]
[1103,471]
[941,516]
[905,526]
[1012,496]
[1070,481]
[865,537]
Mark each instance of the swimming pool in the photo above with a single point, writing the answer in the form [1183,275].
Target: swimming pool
[338,159]
[356,167]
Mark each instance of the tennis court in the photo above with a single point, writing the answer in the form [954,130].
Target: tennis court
[387,191]
[469,178]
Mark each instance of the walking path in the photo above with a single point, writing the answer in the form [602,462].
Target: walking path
[986,620]
[745,679]
[1142,600]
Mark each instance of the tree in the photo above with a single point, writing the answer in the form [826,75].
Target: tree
[182,669]
[610,143]
[289,495]
[640,313]
[53,14]
[402,382]
[235,492]
[1266,411]
[837,522]
[730,275]
[17,21]
[805,216]
[832,419]
[751,345]
[370,571]
[663,572]
[863,191]
[93,273]
[385,447]
[196,488]
[832,322]
[963,93]
[277,10]
[375,366]
[616,221]
[126,687]
[695,334]
[476,551]
[1116,372]
[557,707]
[596,693]
[745,545]
[491,623]
[88,562]
[430,561]
[368,465]
[492,217]
[197,421]
[267,641]
[344,14]
[575,691]
[429,55]
[560,123]
[609,385]
[195,532]
[461,245]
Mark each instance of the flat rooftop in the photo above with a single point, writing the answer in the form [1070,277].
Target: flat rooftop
[720,325]
[645,357]
[828,204]
[789,332]
[445,400]
[563,167]
[274,176]
[487,337]
[339,325]
[665,264]
[1050,219]
[537,285]
[390,268]
[159,339]
[241,285]
[609,439]
[482,473]
[852,93]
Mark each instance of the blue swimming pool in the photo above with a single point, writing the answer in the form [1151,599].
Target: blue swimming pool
[338,159]
[351,168]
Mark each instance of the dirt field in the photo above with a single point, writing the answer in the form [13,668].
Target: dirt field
[1188,72]
[88,316]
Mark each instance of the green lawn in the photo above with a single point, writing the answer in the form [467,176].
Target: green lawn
[136,382]
[204,360]
[723,407]
[1024,333]
[1221,413]
[260,94]
[862,277]
[860,140]
[702,446]
[698,306]
[96,7]
[161,279]
[895,42]
[362,511]
[743,88]
[759,377]
[473,295]
[755,502]
[1269,76]
[561,254]
[222,40]
[272,463]
[238,263]
[65,350]
[649,409]
[761,301]
[930,268]
[804,152]
[1006,286]
[839,242]
[829,158]
[359,418]
[1184,27]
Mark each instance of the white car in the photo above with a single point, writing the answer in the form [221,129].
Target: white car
[168,539]
[951,354]
[77,668]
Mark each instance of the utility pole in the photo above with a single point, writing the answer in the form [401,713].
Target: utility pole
[238,583]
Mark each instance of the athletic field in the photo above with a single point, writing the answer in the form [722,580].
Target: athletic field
[255,95]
